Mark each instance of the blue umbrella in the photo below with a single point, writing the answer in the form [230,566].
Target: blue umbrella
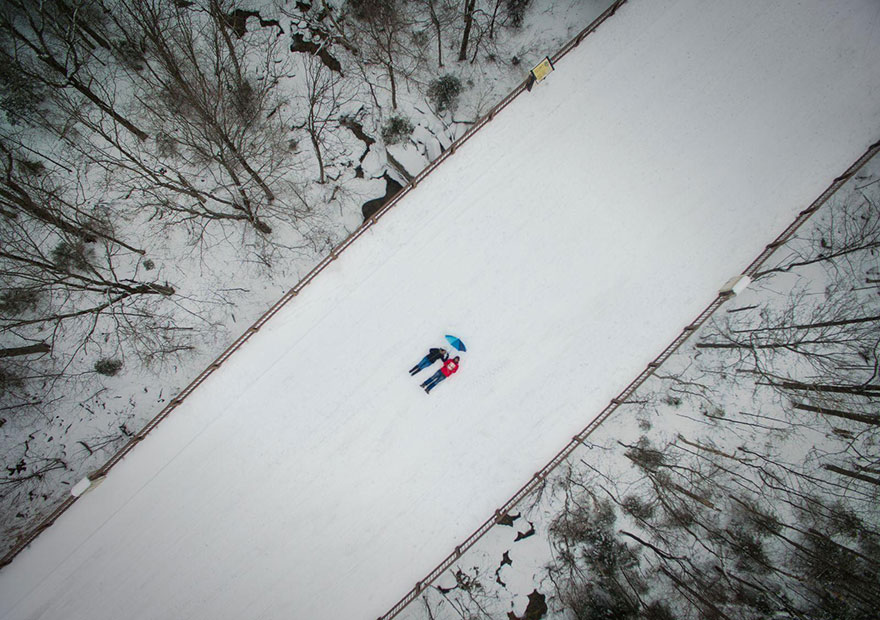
[455,342]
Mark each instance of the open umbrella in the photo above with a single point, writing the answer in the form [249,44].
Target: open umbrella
[456,342]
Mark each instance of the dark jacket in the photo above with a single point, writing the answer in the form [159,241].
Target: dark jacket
[436,354]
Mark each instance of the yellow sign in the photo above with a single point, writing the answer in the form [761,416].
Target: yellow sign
[542,69]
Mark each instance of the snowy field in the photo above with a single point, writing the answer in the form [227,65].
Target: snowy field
[566,244]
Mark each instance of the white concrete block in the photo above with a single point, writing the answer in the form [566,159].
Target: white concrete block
[81,487]
[736,285]
[85,485]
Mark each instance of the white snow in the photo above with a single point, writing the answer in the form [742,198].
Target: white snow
[566,244]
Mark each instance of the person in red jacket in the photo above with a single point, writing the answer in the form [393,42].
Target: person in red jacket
[447,369]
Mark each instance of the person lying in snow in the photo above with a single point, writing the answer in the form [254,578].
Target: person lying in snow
[447,369]
[432,356]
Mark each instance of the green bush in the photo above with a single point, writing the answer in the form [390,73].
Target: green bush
[658,610]
[130,55]
[16,301]
[244,100]
[20,98]
[166,145]
[397,129]
[33,168]
[378,11]
[645,456]
[71,256]
[9,379]
[637,507]
[108,366]
[590,601]
[516,10]
[443,93]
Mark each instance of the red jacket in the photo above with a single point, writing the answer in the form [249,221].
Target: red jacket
[449,368]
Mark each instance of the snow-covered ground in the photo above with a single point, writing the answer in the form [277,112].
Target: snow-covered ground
[225,275]
[546,548]
[566,244]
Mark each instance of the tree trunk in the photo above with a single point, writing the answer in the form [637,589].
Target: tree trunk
[837,413]
[91,96]
[468,20]
[44,54]
[864,319]
[244,164]
[436,21]
[40,347]
[852,474]
[819,259]
[778,345]
[864,390]
[20,199]
[708,604]
[221,20]
[492,22]
[178,81]
[16,196]
[317,147]
[70,13]
[393,87]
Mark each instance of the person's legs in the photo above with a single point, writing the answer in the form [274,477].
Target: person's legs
[432,379]
[433,385]
[420,366]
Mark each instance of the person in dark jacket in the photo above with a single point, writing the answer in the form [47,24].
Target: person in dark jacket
[449,368]
[432,356]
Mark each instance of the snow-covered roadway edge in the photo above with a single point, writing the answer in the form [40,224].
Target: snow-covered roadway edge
[652,366]
[98,475]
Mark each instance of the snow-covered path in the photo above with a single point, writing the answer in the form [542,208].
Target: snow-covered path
[567,243]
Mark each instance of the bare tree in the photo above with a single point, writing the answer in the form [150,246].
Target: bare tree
[29,188]
[326,96]
[821,341]
[53,44]
[479,27]
[834,336]
[213,101]
[383,38]
[441,14]
[848,236]
[61,263]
